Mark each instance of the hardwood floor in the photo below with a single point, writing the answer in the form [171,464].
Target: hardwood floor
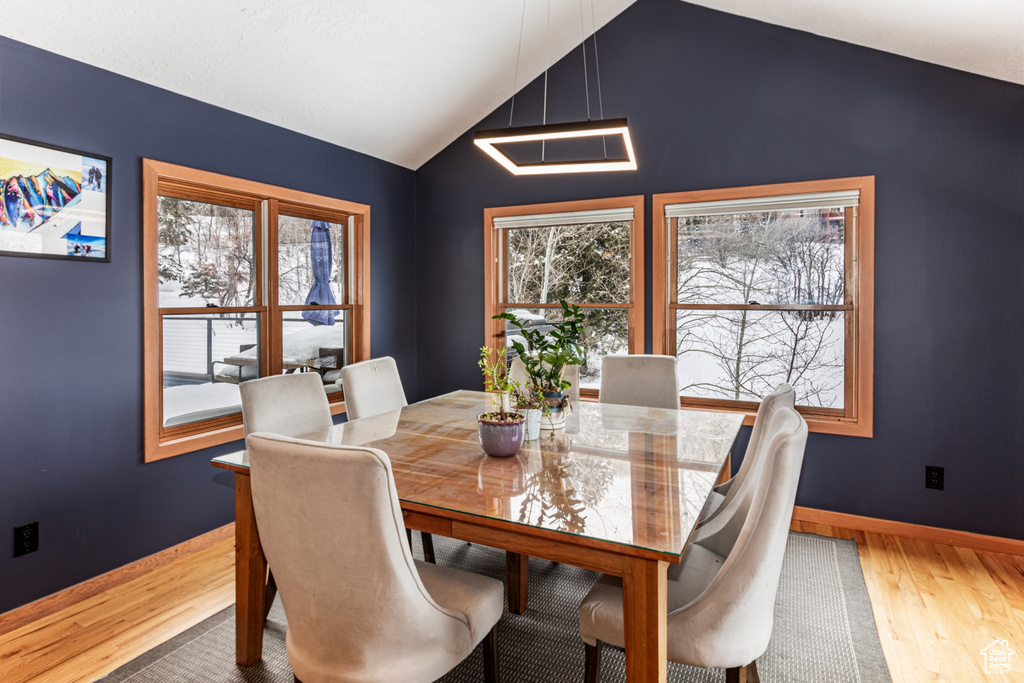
[936,606]
[93,637]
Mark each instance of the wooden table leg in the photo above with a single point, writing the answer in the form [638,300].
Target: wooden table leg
[645,610]
[250,577]
[726,473]
[517,568]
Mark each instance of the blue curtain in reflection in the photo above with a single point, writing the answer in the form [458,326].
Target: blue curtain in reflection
[321,256]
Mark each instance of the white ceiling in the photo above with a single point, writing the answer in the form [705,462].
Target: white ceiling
[401,79]
[981,36]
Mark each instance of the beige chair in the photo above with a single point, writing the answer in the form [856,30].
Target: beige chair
[373,387]
[640,380]
[292,404]
[720,606]
[359,607]
[724,495]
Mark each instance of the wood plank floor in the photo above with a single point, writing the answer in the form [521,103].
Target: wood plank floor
[92,638]
[936,606]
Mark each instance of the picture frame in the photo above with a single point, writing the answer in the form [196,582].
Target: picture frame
[54,201]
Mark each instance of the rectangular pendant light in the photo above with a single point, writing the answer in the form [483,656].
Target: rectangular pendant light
[487,139]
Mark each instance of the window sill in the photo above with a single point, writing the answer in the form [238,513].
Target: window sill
[170,447]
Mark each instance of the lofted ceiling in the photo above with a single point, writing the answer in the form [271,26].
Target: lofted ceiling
[401,79]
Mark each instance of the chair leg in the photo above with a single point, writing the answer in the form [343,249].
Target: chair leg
[491,656]
[428,547]
[743,674]
[592,670]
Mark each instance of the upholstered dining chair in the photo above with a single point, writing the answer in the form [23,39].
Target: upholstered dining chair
[640,380]
[359,607]
[720,607]
[725,494]
[291,405]
[373,387]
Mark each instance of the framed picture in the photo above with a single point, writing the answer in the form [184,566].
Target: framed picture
[54,202]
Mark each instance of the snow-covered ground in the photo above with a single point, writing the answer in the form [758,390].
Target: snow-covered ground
[202,401]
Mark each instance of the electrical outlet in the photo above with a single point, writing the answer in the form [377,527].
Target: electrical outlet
[933,477]
[26,539]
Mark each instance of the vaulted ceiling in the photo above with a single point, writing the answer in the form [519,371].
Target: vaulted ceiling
[400,79]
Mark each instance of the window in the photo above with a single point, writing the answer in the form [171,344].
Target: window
[587,253]
[243,280]
[761,285]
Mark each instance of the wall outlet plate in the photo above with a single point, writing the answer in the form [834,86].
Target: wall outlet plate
[26,539]
[934,477]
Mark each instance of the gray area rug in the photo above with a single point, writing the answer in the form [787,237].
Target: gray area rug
[824,629]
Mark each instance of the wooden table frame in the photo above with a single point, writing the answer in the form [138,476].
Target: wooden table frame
[643,572]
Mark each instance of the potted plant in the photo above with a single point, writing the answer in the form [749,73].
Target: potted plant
[500,431]
[546,355]
[494,365]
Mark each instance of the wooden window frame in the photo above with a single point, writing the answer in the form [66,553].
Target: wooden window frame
[495,280]
[160,178]
[857,418]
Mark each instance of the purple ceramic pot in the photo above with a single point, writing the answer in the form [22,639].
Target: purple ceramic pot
[501,439]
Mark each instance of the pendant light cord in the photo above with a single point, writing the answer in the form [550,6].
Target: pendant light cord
[547,60]
[597,66]
[519,52]
[583,42]
[586,80]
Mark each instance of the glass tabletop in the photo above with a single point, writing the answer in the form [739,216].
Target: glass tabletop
[622,474]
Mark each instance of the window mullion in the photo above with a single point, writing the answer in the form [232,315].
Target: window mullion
[271,329]
[672,286]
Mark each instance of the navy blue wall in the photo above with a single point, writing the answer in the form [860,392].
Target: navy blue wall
[71,332]
[715,100]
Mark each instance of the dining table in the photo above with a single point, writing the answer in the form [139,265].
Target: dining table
[619,490]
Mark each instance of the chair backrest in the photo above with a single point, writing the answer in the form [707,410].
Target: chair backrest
[291,405]
[640,380]
[730,622]
[372,387]
[332,529]
[737,499]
